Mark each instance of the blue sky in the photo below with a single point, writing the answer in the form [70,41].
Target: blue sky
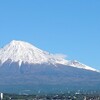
[70,27]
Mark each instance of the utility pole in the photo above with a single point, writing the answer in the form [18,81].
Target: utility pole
[1,96]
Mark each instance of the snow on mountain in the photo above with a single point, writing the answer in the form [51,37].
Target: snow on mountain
[19,51]
[77,64]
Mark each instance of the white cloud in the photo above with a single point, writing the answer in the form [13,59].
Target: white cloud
[60,56]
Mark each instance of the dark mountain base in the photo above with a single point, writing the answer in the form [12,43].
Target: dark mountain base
[46,78]
[46,89]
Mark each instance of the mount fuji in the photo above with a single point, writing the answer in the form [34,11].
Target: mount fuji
[26,67]
[23,52]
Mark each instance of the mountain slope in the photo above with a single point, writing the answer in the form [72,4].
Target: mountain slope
[19,51]
[47,78]
[25,67]
[23,52]
[75,63]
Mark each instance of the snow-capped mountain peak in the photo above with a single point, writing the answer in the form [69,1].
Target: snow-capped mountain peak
[19,51]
